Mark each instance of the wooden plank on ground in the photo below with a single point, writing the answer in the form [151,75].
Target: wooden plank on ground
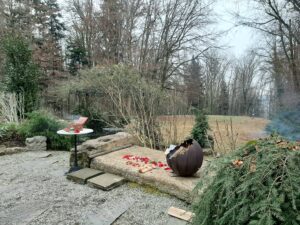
[180,213]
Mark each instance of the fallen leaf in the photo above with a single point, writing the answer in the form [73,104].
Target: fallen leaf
[237,163]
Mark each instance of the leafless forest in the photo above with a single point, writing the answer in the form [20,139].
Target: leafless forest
[170,44]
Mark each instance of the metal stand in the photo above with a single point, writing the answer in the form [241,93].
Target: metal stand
[75,167]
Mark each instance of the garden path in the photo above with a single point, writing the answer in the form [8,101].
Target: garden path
[34,191]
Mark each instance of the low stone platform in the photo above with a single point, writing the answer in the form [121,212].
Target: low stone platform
[159,178]
[101,146]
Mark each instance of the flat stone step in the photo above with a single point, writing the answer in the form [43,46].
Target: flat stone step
[175,221]
[110,211]
[106,181]
[81,176]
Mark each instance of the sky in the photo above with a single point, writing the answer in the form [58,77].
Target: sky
[239,38]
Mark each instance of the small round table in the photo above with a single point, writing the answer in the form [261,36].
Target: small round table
[75,167]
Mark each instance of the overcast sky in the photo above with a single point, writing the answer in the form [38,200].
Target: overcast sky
[238,39]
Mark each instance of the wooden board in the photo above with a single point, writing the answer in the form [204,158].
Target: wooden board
[180,213]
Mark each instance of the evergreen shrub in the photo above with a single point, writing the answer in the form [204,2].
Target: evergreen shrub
[257,185]
[10,136]
[40,123]
[199,132]
[21,74]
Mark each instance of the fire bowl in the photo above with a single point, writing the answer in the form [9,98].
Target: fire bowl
[186,159]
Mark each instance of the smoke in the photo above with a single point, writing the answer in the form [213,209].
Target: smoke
[290,99]
[287,123]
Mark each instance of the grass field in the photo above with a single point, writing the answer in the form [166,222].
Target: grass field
[228,131]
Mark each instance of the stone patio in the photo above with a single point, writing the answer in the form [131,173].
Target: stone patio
[163,180]
[34,191]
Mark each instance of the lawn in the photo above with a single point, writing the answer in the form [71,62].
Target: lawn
[228,131]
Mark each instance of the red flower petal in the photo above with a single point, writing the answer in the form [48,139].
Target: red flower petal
[127,157]
[154,163]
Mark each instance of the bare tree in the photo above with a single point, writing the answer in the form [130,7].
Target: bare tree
[153,35]
[85,27]
[216,68]
[246,86]
[279,20]
[180,27]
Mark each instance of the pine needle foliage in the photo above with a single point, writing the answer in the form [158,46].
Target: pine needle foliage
[257,185]
[199,132]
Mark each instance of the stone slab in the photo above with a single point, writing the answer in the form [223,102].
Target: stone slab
[106,181]
[175,221]
[81,176]
[101,146]
[165,181]
[110,212]
[22,213]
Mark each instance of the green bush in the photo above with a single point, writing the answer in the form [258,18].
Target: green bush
[199,132]
[10,136]
[43,124]
[3,131]
[120,95]
[21,73]
[257,185]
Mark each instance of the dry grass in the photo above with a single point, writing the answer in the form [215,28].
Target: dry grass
[176,128]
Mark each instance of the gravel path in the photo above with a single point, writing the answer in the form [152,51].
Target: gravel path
[34,190]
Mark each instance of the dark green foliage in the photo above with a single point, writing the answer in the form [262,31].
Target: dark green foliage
[76,53]
[262,190]
[199,132]
[43,124]
[21,74]
[223,100]
[10,136]
[194,81]
[55,26]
